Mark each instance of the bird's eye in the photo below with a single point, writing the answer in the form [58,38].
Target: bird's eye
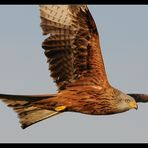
[127,100]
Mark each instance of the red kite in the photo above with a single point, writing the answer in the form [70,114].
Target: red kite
[75,61]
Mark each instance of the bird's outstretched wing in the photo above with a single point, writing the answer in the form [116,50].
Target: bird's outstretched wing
[72,46]
[140,97]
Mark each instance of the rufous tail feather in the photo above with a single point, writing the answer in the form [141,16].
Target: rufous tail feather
[27,113]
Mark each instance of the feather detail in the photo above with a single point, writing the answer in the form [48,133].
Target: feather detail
[72,47]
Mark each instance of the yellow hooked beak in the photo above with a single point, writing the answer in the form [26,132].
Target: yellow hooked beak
[133,105]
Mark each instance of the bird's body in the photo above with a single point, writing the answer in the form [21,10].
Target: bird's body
[75,61]
[86,99]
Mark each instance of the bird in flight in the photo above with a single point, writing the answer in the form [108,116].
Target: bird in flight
[75,61]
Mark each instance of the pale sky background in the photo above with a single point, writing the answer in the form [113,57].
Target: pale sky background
[23,70]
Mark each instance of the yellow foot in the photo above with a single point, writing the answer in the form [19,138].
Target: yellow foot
[60,108]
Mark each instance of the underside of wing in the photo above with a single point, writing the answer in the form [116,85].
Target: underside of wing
[140,97]
[72,46]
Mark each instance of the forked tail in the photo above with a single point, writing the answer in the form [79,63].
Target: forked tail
[27,113]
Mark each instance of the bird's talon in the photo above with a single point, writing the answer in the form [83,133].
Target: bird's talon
[60,108]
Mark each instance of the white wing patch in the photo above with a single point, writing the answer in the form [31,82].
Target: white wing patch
[56,13]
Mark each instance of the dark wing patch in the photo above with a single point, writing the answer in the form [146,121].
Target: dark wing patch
[140,97]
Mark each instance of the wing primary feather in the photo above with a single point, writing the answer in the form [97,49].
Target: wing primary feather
[72,47]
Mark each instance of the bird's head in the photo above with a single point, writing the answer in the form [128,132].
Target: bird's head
[126,102]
